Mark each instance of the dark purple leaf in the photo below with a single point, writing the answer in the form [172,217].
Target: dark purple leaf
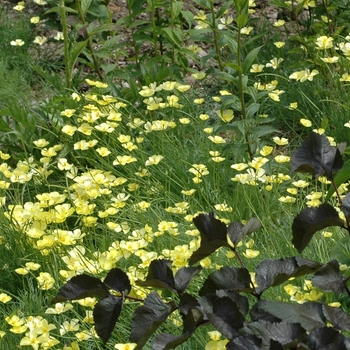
[240,300]
[106,313]
[346,205]
[309,315]
[237,231]
[184,276]
[213,234]
[275,272]
[245,342]
[311,220]
[337,317]
[329,278]
[341,177]
[80,287]
[187,302]
[315,155]
[327,338]
[160,275]
[118,280]
[227,278]
[257,312]
[223,314]
[287,334]
[170,341]
[148,317]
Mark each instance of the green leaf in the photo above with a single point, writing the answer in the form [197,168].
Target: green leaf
[315,155]
[309,314]
[148,318]
[341,177]
[311,220]
[262,130]
[106,313]
[105,27]
[275,272]
[85,4]
[252,109]
[160,275]
[75,52]
[80,287]
[227,278]
[213,234]
[117,279]
[184,276]
[174,35]
[341,250]
[242,20]
[249,59]
[229,40]
[177,7]
[329,279]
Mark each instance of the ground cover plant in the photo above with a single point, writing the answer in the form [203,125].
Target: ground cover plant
[170,167]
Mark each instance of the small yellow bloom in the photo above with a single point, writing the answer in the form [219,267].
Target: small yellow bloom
[280,141]
[257,68]
[251,254]
[266,150]
[216,139]
[35,20]
[293,105]
[306,122]
[279,44]
[279,23]
[17,42]
[246,30]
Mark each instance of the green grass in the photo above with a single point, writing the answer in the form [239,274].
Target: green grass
[32,97]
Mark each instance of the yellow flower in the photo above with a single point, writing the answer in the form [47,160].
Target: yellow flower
[103,151]
[40,40]
[330,59]
[216,139]
[127,346]
[204,117]
[287,199]
[17,42]
[257,68]
[246,30]
[279,44]
[154,160]
[274,63]
[280,141]
[293,105]
[59,36]
[306,122]
[69,130]
[226,115]
[251,254]
[282,159]
[4,298]
[266,150]
[35,20]
[199,75]
[199,101]
[279,23]
[324,42]
[45,281]
[239,166]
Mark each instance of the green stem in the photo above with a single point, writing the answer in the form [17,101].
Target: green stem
[215,34]
[66,44]
[89,43]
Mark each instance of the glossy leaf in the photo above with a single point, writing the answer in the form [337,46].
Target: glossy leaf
[309,315]
[329,279]
[337,317]
[148,317]
[249,341]
[213,234]
[184,276]
[346,205]
[311,220]
[106,313]
[316,156]
[327,338]
[275,272]
[118,280]
[170,341]
[223,314]
[159,275]
[227,278]
[80,287]
[237,231]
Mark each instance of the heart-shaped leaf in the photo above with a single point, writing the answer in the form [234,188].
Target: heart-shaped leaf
[80,287]
[118,280]
[311,220]
[159,275]
[148,317]
[329,278]
[275,272]
[106,313]
[213,234]
[237,231]
[316,156]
